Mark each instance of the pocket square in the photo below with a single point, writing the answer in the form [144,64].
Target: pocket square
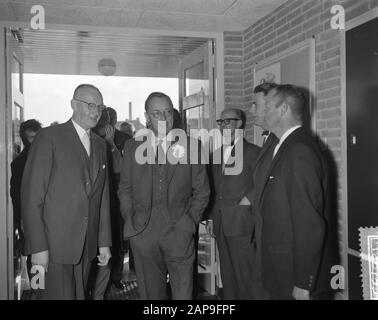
[103,166]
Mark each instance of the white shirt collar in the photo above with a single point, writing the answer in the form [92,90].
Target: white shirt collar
[80,131]
[284,137]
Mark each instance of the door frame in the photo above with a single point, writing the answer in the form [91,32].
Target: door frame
[4,145]
[346,251]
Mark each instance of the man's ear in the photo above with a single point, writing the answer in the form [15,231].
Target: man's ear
[73,104]
[147,117]
[284,108]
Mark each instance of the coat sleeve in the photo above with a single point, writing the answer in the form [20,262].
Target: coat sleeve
[200,188]
[34,186]
[306,199]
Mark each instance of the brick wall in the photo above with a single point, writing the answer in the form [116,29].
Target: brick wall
[292,23]
[233,69]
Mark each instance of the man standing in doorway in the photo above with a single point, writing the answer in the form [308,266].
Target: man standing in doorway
[65,199]
[162,204]
[292,201]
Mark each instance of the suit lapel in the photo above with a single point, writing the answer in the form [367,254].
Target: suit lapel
[269,141]
[79,151]
[289,140]
[95,157]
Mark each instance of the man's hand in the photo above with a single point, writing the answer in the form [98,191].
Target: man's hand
[41,259]
[301,294]
[109,133]
[244,202]
[104,256]
[209,228]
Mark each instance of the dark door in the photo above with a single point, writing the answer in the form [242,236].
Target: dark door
[362,144]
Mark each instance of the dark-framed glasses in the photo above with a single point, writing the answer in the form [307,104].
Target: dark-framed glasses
[160,115]
[226,122]
[92,106]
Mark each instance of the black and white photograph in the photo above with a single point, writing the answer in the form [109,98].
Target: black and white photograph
[206,151]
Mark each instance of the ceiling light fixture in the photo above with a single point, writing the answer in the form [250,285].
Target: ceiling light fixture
[106,66]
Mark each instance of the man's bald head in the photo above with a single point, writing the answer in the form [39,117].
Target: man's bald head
[87,105]
[86,89]
[234,113]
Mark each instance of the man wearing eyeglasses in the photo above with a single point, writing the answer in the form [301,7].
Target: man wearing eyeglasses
[65,199]
[232,222]
[162,204]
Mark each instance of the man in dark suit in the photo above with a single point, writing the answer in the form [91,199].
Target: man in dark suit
[233,223]
[28,131]
[120,137]
[113,271]
[65,199]
[162,204]
[290,198]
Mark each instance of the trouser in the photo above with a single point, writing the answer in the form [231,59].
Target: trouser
[67,281]
[236,255]
[160,248]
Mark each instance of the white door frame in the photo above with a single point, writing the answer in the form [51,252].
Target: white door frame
[4,275]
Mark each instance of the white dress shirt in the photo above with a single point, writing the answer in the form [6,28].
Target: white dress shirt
[84,136]
[283,138]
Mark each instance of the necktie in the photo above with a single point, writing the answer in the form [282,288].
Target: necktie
[160,155]
[86,142]
[265,135]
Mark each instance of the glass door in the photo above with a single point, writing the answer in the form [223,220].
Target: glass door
[197,107]
[13,273]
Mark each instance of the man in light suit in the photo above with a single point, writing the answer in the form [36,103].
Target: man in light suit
[291,201]
[162,204]
[65,199]
[233,223]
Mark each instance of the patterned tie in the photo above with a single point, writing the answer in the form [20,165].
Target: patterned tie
[87,142]
[265,135]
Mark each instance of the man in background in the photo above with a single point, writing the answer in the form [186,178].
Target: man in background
[232,222]
[126,127]
[28,131]
[104,276]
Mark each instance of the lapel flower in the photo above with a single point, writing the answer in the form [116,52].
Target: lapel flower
[178,151]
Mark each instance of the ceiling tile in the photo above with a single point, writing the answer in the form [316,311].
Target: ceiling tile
[206,7]
[191,22]
[82,15]
[253,8]
[6,12]
[81,3]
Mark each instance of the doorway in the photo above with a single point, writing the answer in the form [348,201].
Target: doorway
[77,52]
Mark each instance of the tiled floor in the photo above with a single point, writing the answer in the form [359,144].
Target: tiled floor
[130,292]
